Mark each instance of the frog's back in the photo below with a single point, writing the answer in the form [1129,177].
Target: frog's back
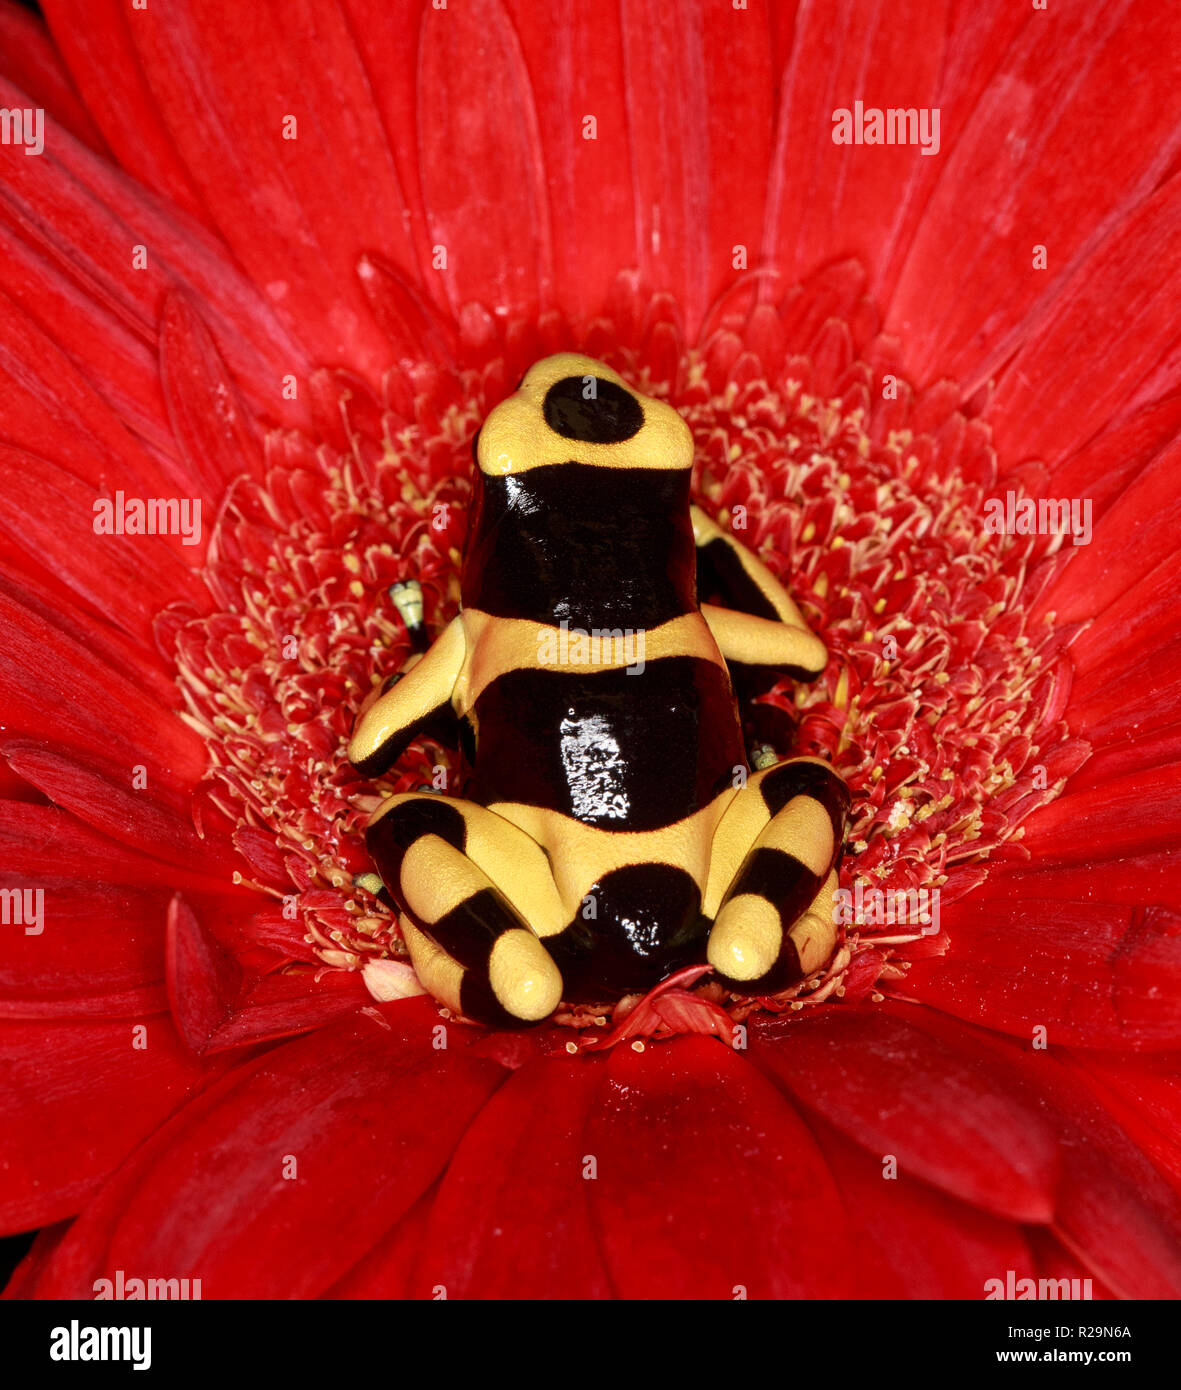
[617,749]
[594,688]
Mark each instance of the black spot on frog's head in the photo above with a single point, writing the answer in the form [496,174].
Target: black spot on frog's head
[592,410]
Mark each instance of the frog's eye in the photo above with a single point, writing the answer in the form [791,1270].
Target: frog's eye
[593,410]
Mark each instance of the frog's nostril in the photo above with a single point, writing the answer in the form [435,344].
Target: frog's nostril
[593,410]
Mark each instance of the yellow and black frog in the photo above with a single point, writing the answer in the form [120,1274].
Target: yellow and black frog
[610,829]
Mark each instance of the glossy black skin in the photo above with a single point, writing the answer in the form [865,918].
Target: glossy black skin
[597,547]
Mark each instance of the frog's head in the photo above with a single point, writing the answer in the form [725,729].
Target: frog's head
[575,409]
[581,503]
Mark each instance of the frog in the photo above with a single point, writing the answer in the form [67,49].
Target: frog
[610,829]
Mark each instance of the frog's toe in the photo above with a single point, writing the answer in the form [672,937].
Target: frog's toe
[520,985]
[758,949]
[523,977]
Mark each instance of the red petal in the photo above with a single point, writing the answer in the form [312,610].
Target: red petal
[575,70]
[1055,1262]
[1151,877]
[1134,814]
[361,1116]
[947,1118]
[386,1271]
[512,1218]
[296,212]
[68,229]
[217,1006]
[690,1127]
[827,200]
[53,605]
[216,434]
[96,952]
[49,515]
[25,1276]
[77,1098]
[483,180]
[154,820]
[53,411]
[1104,467]
[1093,974]
[47,841]
[40,679]
[414,329]
[30,61]
[700,143]
[1144,1095]
[926,1245]
[969,294]
[1050,399]
[1112,1209]
[1103,573]
[93,39]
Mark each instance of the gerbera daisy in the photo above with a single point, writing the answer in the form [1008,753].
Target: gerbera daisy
[269,271]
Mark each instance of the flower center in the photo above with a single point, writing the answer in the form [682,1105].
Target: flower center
[937,706]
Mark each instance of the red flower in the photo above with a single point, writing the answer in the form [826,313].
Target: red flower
[282,266]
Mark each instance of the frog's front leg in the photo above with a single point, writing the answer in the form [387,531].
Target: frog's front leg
[772,877]
[476,894]
[757,625]
[420,698]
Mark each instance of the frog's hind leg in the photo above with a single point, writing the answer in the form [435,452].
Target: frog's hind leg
[772,877]
[474,893]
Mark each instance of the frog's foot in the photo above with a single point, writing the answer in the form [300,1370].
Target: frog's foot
[407,597]
[773,875]
[469,941]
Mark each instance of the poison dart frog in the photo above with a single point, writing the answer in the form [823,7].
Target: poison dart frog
[610,829]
